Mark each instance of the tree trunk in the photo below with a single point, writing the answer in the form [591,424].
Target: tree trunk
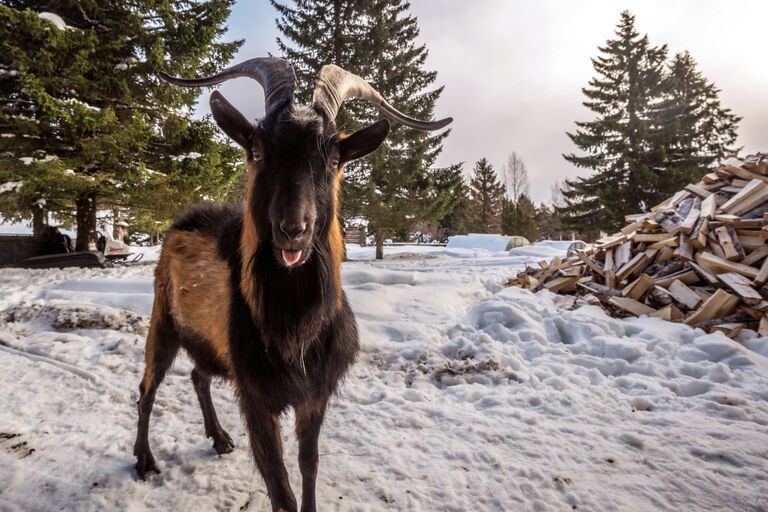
[117,228]
[86,222]
[39,220]
[379,235]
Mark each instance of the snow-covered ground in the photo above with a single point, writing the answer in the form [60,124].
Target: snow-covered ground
[466,396]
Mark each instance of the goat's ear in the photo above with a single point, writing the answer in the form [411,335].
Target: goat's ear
[230,120]
[363,142]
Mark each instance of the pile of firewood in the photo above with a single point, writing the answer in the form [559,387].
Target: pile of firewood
[700,257]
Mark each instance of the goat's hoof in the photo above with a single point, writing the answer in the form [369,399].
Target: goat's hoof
[145,463]
[222,443]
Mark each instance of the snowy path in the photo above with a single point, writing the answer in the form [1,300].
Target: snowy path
[466,396]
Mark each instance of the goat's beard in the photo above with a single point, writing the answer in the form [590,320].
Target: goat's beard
[295,302]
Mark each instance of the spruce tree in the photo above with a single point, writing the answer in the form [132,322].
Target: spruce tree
[621,143]
[520,218]
[396,187]
[659,126]
[88,122]
[485,200]
[699,131]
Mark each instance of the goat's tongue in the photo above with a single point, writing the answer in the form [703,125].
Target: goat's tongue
[291,257]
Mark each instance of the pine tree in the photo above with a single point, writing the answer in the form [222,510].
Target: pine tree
[394,188]
[485,201]
[698,130]
[619,144]
[90,123]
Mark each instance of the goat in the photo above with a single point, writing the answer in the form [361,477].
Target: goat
[253,292]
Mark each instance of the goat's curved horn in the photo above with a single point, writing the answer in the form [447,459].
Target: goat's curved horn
[275,75]
[336,85]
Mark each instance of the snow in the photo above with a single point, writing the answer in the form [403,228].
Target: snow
[480,241]
[55,19]
[466,396]
[192,155]
[28,160]
[11,186]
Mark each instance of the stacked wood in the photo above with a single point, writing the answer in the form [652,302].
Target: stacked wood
[700,257]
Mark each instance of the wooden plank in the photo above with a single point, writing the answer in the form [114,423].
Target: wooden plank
[631,306]
[664,313]
[762,329]
[751,242]
[749,233]
[729,266]
[762,275]
[622,254]
[561,284]
[742,286]
[651,237]
[630,228]
[589,262]
[704,273]
[699,235]
[708,207]
[669,221]
[636,264]
[756,255]
[684,295]
[608,266]
[733,166]
[690,221]
[667,242]
[698,190]
[611,241]
[684,249]
[671,201]
[730,329]
[751,188]
[710,178]
[712,308]
[728,218]
[686,276]
[751,202]
[665,254]
[637,288]
[727,243]
[650,224]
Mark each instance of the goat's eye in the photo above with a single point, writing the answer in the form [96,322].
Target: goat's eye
[256,154]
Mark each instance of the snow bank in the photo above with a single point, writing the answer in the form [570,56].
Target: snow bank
[493,243]
[466,396]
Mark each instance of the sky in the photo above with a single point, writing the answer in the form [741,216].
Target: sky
[513,70]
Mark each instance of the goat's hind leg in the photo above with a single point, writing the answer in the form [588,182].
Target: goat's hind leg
[222,443]
[161,349]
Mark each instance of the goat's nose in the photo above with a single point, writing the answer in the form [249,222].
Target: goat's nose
[293,231]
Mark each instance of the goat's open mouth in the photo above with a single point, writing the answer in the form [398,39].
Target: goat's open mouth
[290,257]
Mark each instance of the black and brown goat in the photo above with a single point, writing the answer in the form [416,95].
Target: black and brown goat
[253,292]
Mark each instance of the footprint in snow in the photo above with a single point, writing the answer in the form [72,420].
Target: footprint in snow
[15,445]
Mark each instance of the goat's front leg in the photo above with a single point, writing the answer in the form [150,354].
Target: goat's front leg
[266,444]
[309,419]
